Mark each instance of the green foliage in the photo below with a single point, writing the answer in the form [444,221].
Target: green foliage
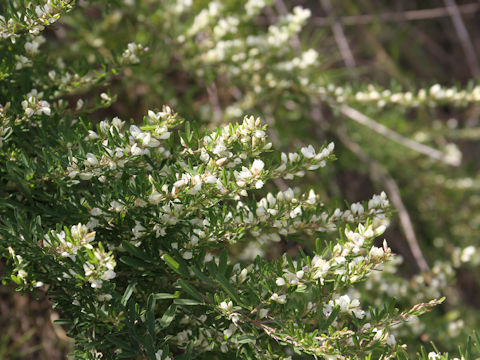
[151,234]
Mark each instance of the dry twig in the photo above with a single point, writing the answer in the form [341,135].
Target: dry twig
[339,35]
[464,37]
[411,15]
[381,129]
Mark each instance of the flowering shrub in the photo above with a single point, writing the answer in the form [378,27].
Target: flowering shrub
[149,234]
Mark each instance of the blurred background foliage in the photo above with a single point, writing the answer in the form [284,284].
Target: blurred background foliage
[398,45]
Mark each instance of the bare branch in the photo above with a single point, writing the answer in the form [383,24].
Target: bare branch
[381,129]
[339,35]
[215,102]
[464,37]
[411,15]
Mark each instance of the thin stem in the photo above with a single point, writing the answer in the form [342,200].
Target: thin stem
[339,35]
[215,102]
[381,129]
[411,15]
[464,37]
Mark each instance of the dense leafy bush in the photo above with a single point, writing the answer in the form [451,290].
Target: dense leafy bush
[160,238]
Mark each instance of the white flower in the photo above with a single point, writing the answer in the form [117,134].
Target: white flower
[312,198]
[229,332]
[155,198]
[22,62]
[104,297]
[433,355]
[259,184]
[257,166]
[80,103]
[138,230]
[195,189]
[22,274]
[85,175]
[105,97]
[280,281]
[243,275]
[359,314]
[376,253]
[391,340]
[327,309]
[234,317]
[226,306]
[308,152]
[252,7]
[281,299]
[204,156]
[343,301]
[158,355]
[467,253]
[117,206]
[135,150]
[210,179]
[357,208]
[380,230]
[108,275]
[91,160]
[96,284]
[262,313]
[293,157]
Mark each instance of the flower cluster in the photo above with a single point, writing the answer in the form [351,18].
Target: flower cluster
[432,96]
[133,52]
[33,105]
[134,143]
[35,21]
[346,305]
[69,243]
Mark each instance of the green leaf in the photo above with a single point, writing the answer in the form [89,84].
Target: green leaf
[16,279]
[187,302]
[229,289]
[222,264]
[477,340]
[174,265]
[151,316]
[132,250]
[190,290]
[212,268]
[468,349]
[118,341]
[133,262]
[128,292]
[201,275]
[163,296]
[150,347]
[168,316]
[245,339]
[301,289]
[127,355]
[331,318]
[188,355]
